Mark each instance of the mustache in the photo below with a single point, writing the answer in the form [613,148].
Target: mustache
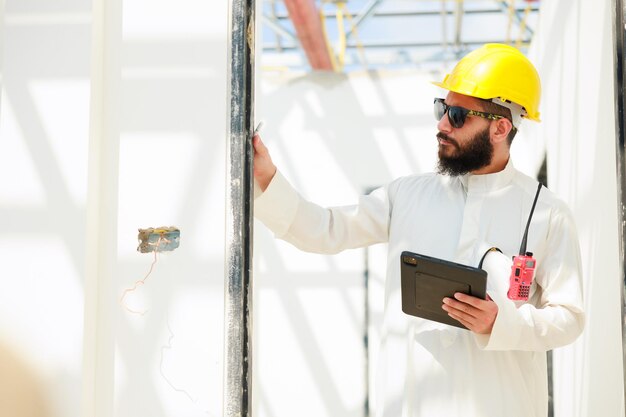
[443,136]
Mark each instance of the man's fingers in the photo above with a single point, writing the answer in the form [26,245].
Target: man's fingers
[468,299]
[264,168]
[475,314]
[453,306]
[462,317]
[462,320]
[260,149]
[258,144]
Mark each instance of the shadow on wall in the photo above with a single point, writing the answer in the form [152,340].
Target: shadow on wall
[366,125]
[21,390]
[333,136]
[44,128]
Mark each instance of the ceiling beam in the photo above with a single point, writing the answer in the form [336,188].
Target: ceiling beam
[395,45]
[425,13]
[363,15]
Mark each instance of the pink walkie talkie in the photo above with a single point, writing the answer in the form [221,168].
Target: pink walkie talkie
[523,268]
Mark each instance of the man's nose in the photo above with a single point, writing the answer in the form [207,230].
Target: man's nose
[444,124]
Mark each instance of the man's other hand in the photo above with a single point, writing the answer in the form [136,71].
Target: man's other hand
[475,314]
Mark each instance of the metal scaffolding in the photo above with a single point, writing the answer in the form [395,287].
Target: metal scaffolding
[390,29]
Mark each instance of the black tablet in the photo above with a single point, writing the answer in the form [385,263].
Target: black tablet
[426,281]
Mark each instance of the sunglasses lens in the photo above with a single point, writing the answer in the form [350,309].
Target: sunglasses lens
[456,115]
[440,109]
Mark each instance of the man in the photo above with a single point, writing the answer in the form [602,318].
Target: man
[476,200]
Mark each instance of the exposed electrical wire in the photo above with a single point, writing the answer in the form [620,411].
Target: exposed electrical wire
[143,280]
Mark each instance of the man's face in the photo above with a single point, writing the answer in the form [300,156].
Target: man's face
[465,149]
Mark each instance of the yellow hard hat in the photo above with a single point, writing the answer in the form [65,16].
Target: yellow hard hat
[497,71]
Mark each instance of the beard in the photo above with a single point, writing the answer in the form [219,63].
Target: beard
[474,155]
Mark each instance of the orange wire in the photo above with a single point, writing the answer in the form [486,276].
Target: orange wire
[142,281]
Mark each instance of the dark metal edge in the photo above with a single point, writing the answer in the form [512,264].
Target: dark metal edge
[618,44]
[239,212]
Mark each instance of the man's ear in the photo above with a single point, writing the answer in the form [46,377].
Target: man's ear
[500,130]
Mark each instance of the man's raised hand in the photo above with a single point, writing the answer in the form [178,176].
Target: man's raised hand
[264,168]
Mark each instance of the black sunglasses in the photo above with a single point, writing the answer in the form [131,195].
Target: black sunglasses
[457,115]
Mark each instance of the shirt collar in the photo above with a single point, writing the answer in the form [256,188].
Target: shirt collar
[488,182]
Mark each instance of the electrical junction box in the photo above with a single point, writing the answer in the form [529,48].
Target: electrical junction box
[160,239]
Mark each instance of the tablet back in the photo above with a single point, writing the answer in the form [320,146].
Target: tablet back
[426,281]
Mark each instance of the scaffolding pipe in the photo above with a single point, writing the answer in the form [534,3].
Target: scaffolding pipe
[444,26]
[458,15]
[273,24]
[412,13]
[367,11]
[239,212]
[517,16]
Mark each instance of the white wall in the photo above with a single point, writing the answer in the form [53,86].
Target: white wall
[112,118]
[44,115]
[573,49]
[157,160]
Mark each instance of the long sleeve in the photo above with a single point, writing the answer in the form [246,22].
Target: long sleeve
[555,317]
[312,228]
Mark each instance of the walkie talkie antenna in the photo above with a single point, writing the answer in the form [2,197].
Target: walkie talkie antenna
[522,248]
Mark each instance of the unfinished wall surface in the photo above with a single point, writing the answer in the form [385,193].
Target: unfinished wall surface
[113,118]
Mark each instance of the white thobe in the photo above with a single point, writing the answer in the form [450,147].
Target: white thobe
[428,369]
